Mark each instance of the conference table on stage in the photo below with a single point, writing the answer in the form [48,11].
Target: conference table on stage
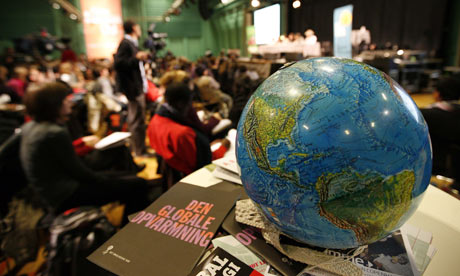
[438,213]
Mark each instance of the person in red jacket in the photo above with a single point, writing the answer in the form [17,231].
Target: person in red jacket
[174,137]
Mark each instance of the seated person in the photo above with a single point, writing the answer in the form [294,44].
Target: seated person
[210,93]
[19,81]
[53,169]
[443,119]
[180,76]
[175,139]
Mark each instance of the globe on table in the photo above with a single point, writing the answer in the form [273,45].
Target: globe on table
[333,152]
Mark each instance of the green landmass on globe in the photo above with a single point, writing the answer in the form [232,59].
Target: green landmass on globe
[379,202]
[262,113]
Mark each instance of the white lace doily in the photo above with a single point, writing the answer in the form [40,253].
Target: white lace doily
[247,213]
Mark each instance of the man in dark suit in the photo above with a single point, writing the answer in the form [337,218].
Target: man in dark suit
[132,82]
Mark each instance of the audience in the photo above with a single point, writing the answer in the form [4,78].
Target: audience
[51,165]
[68,117]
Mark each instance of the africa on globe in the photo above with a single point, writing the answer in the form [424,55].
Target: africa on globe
[333,152]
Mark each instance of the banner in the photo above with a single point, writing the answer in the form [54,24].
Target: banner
[102,27]
[343,18]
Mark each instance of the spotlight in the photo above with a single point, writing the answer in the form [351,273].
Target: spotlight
[56,6]
[224,1]
[167,18]
[255,3]
[400,52]
[73,16]
[296,4]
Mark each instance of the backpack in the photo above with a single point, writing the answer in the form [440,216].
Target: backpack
[74,235]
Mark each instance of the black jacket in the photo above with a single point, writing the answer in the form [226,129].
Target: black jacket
[50,163]
[129,79]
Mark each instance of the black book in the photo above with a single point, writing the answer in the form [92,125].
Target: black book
[170,235]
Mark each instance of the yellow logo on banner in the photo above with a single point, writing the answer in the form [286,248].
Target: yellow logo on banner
[346,18]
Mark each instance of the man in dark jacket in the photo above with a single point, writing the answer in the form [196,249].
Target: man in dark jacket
[132,82]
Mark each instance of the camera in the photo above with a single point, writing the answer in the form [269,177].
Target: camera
[155,41]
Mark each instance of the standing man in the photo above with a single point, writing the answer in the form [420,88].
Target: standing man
[132,82]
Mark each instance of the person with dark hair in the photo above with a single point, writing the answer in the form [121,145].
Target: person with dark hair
[443,119]
[131,80]
[51,166]
[175,139]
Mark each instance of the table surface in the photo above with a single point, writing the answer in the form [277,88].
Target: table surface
[438,213]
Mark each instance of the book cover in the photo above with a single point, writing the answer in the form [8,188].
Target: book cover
[169,236]
[222,263]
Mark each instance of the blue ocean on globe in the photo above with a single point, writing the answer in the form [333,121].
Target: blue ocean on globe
[334,152]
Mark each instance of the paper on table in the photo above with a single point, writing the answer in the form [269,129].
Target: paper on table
[203,177]
[112,139]
[226,175]
[228,163]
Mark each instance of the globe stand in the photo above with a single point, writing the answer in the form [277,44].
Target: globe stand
[247,213]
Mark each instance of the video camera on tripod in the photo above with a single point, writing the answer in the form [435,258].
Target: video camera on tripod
[155,41]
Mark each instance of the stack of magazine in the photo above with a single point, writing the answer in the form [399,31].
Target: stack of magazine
[407,251]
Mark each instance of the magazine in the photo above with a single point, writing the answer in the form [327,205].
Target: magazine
[387,257]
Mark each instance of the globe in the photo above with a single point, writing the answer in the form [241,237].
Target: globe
[333,152]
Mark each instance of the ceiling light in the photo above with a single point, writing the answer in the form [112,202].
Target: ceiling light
[255,3]
[73,16]
[296,4]
[224,1]
[56,6]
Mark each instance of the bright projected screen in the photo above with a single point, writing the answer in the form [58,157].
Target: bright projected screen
[267,24]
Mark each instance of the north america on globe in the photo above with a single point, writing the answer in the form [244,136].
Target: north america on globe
[334,152]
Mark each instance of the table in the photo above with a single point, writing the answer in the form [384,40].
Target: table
[292,47]
[438,213]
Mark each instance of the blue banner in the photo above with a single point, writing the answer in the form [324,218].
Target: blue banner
[343,18]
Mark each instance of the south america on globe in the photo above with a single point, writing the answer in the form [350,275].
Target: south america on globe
[333,152]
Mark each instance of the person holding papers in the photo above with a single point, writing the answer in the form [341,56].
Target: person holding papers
[175,138]
[51,165]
